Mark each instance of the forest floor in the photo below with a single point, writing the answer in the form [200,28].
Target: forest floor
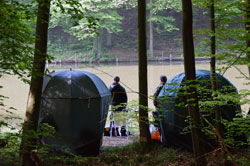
[126,151]
[123,151]
[160,155]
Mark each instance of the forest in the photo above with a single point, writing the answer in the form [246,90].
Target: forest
[36,33]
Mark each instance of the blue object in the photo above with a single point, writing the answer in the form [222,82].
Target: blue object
[174,111]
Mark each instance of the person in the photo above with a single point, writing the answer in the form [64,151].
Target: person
[163,80]
[118,105]
[119,96]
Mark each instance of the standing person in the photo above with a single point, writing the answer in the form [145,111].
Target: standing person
[118,104]
[163,80]
[119,95]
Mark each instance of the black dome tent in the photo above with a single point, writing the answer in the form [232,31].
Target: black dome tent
[174,112]
[75,103]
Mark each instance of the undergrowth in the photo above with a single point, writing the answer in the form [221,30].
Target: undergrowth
[128,155]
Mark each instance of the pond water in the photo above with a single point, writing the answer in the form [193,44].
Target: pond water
[17,91]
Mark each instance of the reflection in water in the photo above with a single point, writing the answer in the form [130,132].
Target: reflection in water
[18,91]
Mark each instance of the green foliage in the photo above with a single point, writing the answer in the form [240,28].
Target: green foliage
[10,152]
[131,116]
[86,24]
[243,160]
[95,15]
[108,17]
[237,131]
[16,38]
[106,57]
[161,5]
[11,148]
[230,33]
[231,48]
[164,24]
[161,9]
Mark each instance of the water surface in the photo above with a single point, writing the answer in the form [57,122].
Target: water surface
[17,91]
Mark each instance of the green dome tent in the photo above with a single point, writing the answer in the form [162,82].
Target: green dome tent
[173,112]
[76,104]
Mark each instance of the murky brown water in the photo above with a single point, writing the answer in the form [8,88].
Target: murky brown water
[18,91]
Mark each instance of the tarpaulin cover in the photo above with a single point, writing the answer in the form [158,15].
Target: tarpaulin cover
[174,112]
[76,104]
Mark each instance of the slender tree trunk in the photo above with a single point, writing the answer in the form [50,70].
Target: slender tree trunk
[247,28]
[95,46]
[32,111]
[145,139]
[151,36]
[213,68]
[99,45]
[189,65]
[109,39]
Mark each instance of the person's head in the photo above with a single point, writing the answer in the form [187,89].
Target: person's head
[117,79]
[163,78]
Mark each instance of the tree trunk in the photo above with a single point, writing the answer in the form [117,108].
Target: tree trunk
[32,111]
[109,39]
[212,69]
[95,46]
[151,46]
[145,138]
[189,65]
[247,28]
[99,44]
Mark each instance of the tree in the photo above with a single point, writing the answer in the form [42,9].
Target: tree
[16,47]
[189,66]
[101,15]
[162,20]
[32,111]
[145,138]
[228,37]
[247,28]
[213,69]
[160,10]
[16,39]
[115,21]
[151,45]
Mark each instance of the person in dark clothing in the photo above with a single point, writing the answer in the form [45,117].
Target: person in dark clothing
[118,106]
[119,95]
[163,80]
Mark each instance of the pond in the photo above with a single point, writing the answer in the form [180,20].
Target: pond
[17,91]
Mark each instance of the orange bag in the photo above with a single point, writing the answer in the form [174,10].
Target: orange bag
[156,135]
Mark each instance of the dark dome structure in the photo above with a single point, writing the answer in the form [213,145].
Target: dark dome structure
[76,104]
[174,111]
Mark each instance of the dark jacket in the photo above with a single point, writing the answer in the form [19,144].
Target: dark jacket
[157,92]
[119,95]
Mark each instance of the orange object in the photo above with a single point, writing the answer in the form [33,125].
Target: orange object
[156,135]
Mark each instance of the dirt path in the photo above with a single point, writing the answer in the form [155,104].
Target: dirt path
[118,141]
